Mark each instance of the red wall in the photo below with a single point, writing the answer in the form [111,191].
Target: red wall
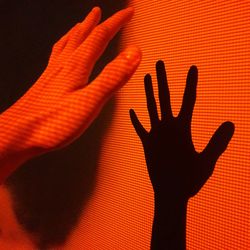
[214,35]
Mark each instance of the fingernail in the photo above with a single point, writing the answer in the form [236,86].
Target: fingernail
[96,9]
[130,9]
[133,54]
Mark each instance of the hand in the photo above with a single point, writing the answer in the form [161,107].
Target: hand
[61,104]
[176,170]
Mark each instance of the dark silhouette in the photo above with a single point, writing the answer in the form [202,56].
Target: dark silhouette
[176,170]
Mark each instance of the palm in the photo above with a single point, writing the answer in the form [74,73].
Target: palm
[168,148]
[174,167]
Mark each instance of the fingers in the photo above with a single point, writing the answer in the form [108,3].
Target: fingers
[91,49]
[164,96]
[73,38]
[87,102]
[151,104]
[189,95]
[59,46]
[115,74]
[82,31]
[140,130]
[218,143]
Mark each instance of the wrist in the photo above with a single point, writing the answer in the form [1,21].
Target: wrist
[14,149]
[167,198]
[170,205]
[169,226]
[11,159]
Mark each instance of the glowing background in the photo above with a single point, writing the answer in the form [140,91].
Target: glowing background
[215,37]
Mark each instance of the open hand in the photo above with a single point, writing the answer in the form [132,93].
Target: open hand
[176,170]
[62,103]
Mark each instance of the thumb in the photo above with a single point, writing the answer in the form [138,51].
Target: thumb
[114,75]
[218,143]
[140,130]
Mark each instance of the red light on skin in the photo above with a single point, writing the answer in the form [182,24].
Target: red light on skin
[60,106]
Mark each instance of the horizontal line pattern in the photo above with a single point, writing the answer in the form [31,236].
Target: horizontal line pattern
[215,37]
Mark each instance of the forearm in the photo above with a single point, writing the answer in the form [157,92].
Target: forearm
[169,226]
[8,164]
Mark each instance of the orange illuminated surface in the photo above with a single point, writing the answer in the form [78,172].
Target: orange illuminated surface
[215,37]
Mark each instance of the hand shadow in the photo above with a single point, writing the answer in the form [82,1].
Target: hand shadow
[177,172]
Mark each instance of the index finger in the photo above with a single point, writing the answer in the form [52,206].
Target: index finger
[189,95]
[92,48]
